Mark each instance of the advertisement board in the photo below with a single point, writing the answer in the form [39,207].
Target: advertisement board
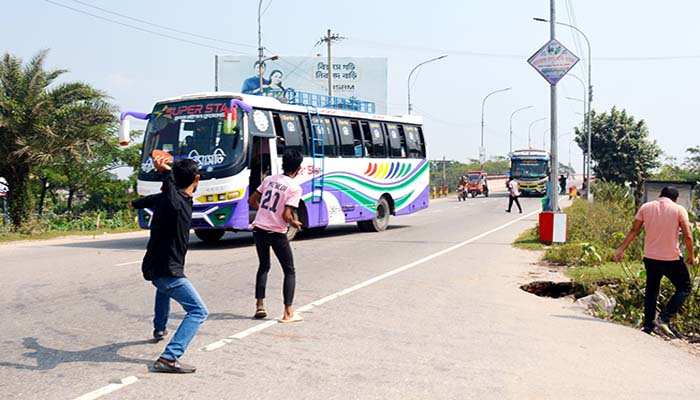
[362,78]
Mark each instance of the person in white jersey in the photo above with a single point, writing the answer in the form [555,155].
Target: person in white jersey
[514,193]
[275,199]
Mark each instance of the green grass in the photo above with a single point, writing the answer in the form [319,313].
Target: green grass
[529,240]
[6,237]
[609,272]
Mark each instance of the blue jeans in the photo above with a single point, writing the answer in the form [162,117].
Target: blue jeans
[182,291]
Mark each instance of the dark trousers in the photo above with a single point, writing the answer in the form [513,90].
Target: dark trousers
[677,273]
[280,245]
[512,199]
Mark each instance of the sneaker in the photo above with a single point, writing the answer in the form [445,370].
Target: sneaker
[664,328]
[648,331]
[159,335]
[163,365]
[507,210]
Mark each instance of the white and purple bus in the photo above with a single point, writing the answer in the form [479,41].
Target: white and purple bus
[358,167]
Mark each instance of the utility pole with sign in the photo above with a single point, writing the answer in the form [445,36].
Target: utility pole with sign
[553,61]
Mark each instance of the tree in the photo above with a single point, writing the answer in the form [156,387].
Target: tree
[693,162]
[620,148]
[40,121]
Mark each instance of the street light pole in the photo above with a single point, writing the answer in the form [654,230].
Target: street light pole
[482,150]
[408,82]
[511,126]
[261,56]
[529,131]
[590,99]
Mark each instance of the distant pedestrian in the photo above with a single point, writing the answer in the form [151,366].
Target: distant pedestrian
[662,257]
[514,193]
[280,196]
[562,184]
[164,261]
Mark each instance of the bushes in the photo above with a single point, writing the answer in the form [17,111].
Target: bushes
[90,221]
[602,224]
[595,232]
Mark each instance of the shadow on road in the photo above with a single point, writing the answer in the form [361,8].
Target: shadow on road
[231,240]
[48,358]
[109,244]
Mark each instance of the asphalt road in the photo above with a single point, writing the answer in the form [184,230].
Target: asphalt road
[429,309]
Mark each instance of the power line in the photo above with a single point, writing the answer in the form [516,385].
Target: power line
[143,29]
[517,56]
[162,26]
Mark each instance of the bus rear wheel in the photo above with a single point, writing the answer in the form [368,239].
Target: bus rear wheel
[381,220]
[209,235]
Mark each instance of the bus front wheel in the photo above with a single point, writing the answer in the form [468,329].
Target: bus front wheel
[381,220]
[209,235]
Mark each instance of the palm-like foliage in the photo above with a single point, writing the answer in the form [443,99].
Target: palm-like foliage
[42,123]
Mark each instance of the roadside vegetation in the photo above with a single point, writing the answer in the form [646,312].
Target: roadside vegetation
[624,158]
[58,151]
[595,231]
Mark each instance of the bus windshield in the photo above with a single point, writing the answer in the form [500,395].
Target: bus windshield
[207,131]
[529,168]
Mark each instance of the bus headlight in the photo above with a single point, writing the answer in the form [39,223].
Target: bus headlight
[213,198]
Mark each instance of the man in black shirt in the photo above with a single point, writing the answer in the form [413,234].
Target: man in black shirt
[164,261]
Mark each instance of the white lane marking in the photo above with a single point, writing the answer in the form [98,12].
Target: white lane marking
[108,389]
[127,263]
[257,328]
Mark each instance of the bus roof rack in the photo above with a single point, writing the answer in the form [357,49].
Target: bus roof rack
[297,97]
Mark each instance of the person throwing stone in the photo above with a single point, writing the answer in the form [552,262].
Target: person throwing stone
[164,262]
[275,199]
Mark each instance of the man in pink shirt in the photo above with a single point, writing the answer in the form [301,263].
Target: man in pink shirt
[662,220]
[275,199]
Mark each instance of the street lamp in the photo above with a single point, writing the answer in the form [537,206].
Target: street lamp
[511,125]
[590,98]
[482,150]
[410,108]
[529,130]
[585,118]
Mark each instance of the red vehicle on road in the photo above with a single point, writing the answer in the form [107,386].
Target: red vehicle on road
[477,184]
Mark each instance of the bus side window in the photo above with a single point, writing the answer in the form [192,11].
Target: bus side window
[367,137]
[331,140]
[421,141]
[394,140]
[347,145]
[292,133]
[304,133]
[357,140]
[378,139]
[402,139]
[413,143]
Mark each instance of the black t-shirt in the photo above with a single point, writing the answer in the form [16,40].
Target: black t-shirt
[170,231]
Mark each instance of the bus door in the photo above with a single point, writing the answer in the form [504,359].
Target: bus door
[263,160]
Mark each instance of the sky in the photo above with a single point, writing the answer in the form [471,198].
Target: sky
[645,58]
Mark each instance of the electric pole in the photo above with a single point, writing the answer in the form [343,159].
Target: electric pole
[329,39]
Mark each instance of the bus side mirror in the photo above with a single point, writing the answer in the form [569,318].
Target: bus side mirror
[124,126]
[124,129]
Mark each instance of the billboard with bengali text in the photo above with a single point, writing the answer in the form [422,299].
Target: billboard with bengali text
[362,78]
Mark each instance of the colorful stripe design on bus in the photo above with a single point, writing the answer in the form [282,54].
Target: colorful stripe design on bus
[357,187]
[387,170]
